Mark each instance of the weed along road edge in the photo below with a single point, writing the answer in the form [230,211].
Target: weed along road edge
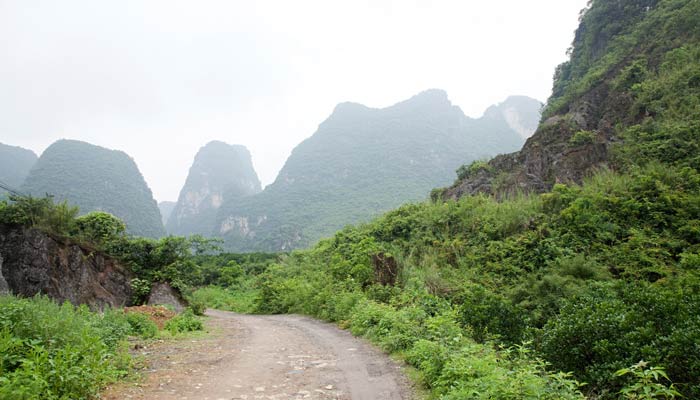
[267,357]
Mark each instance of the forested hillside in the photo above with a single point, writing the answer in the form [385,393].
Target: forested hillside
[220,173]
[501,295]
[94,178]
[15,163]
[631,78]
[364,161]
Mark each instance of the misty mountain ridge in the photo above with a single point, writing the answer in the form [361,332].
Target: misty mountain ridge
[95,178]
[166,208]
[220,172]
[15,164]
[362,161]
[520,112]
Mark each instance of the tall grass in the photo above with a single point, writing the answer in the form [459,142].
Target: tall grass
[59,352]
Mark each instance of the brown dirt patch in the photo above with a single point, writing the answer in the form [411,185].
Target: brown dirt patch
[158,314]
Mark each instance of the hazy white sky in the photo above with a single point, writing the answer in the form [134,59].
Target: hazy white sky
[159,79]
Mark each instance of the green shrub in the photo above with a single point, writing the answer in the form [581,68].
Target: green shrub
[582,138]
[185,322]
[52,351]
[197,306]
[141,325]
[228,299]
[480,372]
[466,171]
[611,326]
[99,227]
[646,384]
[429,357]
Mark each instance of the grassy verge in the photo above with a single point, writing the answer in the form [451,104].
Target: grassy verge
[55,352]
[52,351]
[240,299]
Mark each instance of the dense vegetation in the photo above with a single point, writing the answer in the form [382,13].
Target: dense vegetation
[184,262]
[362,162]
[220,172]
[57,352]
[52,351]
[593,278]
[502,299]
[587,290]
[96,179]
[15,163]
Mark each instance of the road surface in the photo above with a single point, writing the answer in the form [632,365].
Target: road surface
[267,357]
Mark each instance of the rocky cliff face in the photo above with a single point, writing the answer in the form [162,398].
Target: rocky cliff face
[32,262]
[4,288]
[565,148]
[552,155]
[220,172]
[613,90]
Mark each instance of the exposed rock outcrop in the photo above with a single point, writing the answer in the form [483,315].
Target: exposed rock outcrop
[36,263]
[568,145]
[4,289]
[162,294]
[550,156]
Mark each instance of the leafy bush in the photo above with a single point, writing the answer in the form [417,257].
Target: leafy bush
[610,326]
[479,372]
[185,322]
[197,306]
[228,299]
[581,138]
[472,169]
[43,213]
[429,357]
[52,351]
[141,325]
[646,385]
[99,227]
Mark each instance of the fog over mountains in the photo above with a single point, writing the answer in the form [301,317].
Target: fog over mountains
[220,173]
[95,178]
[15,163]
[360,162]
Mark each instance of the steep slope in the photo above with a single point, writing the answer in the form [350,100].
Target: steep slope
[599,279]
[166,209]
[362,161]
[15,163]
[220,172]
[32,262]
[95,178]
[630,63]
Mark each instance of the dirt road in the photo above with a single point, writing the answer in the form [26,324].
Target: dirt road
[268,357]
